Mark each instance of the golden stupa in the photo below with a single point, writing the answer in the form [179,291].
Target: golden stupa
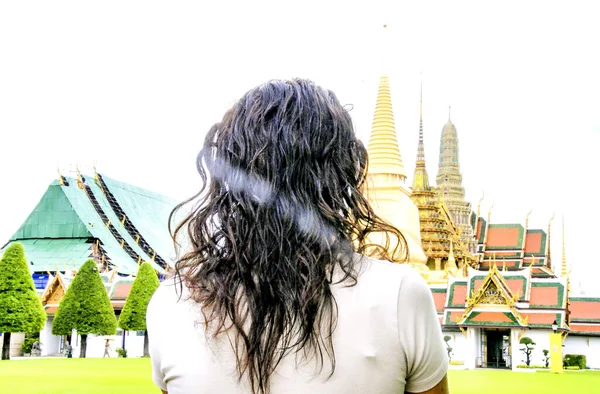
[386,189]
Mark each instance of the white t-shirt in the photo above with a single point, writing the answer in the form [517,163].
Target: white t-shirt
[388,340]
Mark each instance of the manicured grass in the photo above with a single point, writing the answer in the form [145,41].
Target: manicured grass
[541,382]
[132,375]
[77,376]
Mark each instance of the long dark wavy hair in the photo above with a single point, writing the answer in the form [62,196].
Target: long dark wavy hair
[281,207]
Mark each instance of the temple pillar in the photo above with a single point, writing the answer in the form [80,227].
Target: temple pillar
[472,345]
[514,349]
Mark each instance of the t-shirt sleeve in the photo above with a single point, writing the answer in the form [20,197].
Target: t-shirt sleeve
[155,337]
[420,335]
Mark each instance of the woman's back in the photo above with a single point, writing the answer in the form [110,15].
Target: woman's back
[280,219]
[387,340]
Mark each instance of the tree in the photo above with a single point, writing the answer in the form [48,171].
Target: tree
[85,307]
[448,348]
[546,357]
[529,344]
[133,316]
[21,309]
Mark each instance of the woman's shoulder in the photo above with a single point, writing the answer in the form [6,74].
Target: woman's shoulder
[168,297]
[381,271]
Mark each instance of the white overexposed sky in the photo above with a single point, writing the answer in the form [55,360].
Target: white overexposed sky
[133,86]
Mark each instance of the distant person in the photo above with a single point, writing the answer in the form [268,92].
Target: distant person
[107,349]
[274,293]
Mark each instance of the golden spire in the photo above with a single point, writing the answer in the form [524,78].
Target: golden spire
[384,153]
[564,271]
[421,178]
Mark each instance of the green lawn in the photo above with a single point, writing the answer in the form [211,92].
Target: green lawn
[132,376]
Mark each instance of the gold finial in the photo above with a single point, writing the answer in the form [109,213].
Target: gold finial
[479,204]
[564,271]
[503,264]
[449,108]
[451,259]
[60,178]
[548,245]
[421,106]
[490,212]
[385,45]
[527,218]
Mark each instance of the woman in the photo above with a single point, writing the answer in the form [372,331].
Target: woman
[275,294]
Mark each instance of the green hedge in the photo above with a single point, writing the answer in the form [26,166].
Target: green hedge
[575,360]
[525,366]
[30,339]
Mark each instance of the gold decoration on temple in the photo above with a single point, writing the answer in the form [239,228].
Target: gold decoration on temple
[492,295]
[494,292]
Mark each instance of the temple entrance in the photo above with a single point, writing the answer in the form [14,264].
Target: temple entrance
[495,348]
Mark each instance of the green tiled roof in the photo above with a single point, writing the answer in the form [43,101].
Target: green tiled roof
[50,254]
[116,222]
[65,223]
[53,217]
[148,211]
[97,228]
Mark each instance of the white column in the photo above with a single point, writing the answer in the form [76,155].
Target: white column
[471,353]
[514,348]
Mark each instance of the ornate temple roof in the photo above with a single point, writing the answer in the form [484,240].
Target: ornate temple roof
[117,288]
[497,298]
[513,247]
[117,224]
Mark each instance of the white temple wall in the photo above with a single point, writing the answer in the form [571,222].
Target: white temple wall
[515,358]
[49,343]
[134,343]
[459,345]
[542,341]
[590,346]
